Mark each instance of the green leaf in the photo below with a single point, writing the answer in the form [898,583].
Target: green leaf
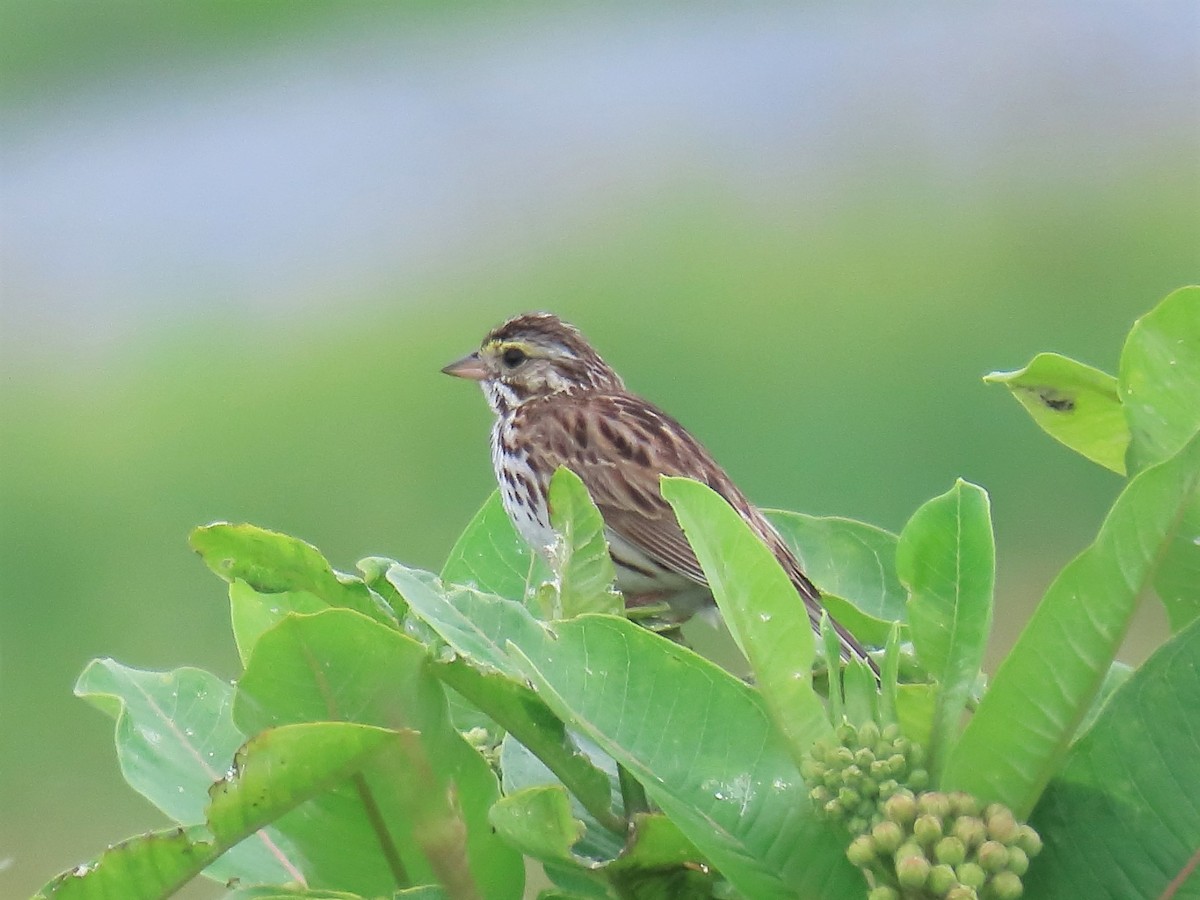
[475,625]
[946,556]
[1075,404]
[538,822]
[1160,383]
[760,605]
[146,867]
[1122,817]
[660,862]
[252,613]
[1160,378]
[1018,736]
[852,561]
[527,719]
[175,736]
[272,563]
[340,665]
[281,768]
[492,558]
[580,557]
[703,745]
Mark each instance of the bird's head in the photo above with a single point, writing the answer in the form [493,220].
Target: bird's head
[534,355]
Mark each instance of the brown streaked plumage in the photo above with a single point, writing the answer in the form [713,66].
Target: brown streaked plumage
[557,403]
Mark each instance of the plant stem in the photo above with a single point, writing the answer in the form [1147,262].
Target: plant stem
[632,793]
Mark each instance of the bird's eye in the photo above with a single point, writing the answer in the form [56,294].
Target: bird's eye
[513,357]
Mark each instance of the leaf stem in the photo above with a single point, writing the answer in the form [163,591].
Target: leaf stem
[386,845]
[633,794]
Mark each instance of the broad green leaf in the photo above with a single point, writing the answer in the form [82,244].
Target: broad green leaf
[1118,673]
[492,558]
[580,557]
[527,719]
[271,563]
[1075,404]
[281,768]
[475,625]
[660,862]
[273,773]
[946,557]
[146,867]
[251,613]
[538,822]
[340,665]
[1160,378]
[760,605]
[1018,736]
[175,736]
[703,745]
[1122,816]
[851,561]
[1160,387]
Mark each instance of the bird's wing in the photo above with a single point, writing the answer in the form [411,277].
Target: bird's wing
[619,445]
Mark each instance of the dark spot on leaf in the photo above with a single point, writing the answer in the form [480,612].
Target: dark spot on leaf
[1056,400]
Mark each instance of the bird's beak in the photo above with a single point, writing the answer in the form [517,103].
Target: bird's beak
[470,366]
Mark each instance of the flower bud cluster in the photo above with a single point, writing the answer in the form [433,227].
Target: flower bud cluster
[944,846]
[855,771]
[915,844]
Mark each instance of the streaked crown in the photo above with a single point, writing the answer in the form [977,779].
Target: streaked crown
[534,355]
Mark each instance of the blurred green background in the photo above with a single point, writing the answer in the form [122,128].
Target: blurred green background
[237,242]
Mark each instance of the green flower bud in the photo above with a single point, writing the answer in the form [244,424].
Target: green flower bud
[879,769]
[842,757]
[888,787]
[962,892]
[833,779]
[1006,886]
[849,798]
[916,755]
[834,810]
[1018,861]
[907,849]
[1001,825]
[868,734]
[868,787]
[934,803]
[888,836]
[858,825]
[970,831]
[868,810]
[941,879]
[883,892]
[964,804]
[918,779]
[863,758]
[852,774]
[950,850]
[897,764]
[912,872]
[992,856]
[847,734]
[1029,841]
[901,808]
[861,851]
[927,830]
[891,732]
[820,796]
[971,875]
